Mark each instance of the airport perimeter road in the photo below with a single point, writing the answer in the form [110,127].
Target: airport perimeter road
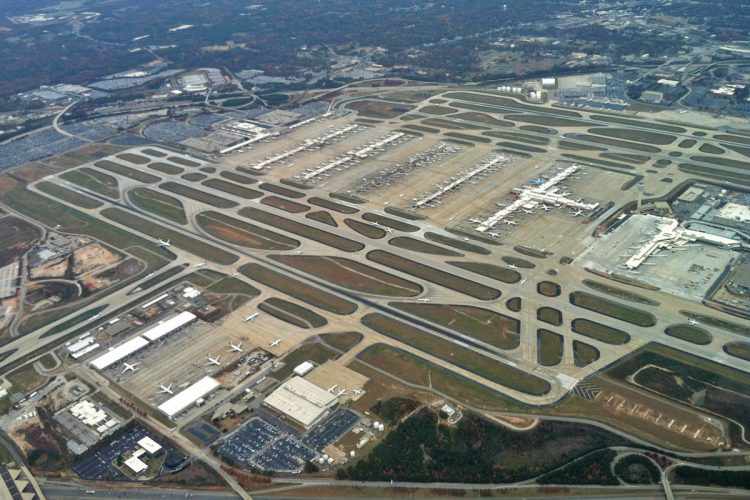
[59,490]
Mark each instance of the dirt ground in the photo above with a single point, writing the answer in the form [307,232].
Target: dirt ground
[93,257]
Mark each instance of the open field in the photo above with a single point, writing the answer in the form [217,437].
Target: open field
[457,244]
[467,287]
[609,141]
[600,332]
[389,222]
[284,204]
[502,274]
[550,347]
[292,313]
[421,246]
[494,100]
[157,231]
[238,178]
[352,275]
[342,341]
[241,233]
[379,109]
[584,354]
[302,230]
[690,334]
[68,195]
[158,204]
[297,289]
[165,168]
[193,177]
[332,205]
[643,136]
[548,289]
[128,172]
[739,350]
[231,188]
[462,357]
[366,230]
[88,178]
[619,292]
[484,325]
[197,195]
[639,123]
[134,158]
[612,309]
[281,190]
[323,217]
[419,371]
[549,315]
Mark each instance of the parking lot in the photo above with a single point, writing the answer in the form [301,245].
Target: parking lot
[331,429]
[96,464]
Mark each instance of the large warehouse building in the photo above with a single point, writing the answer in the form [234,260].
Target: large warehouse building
[301,401]
[134,345]
[180,401]
[122,351]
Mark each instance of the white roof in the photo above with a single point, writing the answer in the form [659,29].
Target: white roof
[185,398]
[303,369]
[154,301]
[304,401]
[122,351]
[136,464]
[168,326]
[149,445]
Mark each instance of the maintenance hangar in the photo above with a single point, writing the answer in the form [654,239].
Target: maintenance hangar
[180,401]
[303,402]
[120,352]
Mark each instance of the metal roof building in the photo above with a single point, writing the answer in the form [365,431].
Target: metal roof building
[185,398]
[151,446]
[301,401]
[122,351]
[166,327]
[136,465]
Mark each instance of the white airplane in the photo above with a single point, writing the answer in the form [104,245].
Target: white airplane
[235,347]
[165,243]
[576,213]
[512,266]
[214,361]
[252,317]
[476,221]
[129,368]
[165,389]
[528,211]
[510,222]
[546,208]
[275,343]
[693,322]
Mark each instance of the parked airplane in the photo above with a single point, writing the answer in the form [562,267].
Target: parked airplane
[693,322]
[546,208]
[252,317]
[526,211]
[214,361]
[165,243]
[275,343]
[129,368]
[165,389]
[512,266]
[510,222]
[235,347]
[576,213]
